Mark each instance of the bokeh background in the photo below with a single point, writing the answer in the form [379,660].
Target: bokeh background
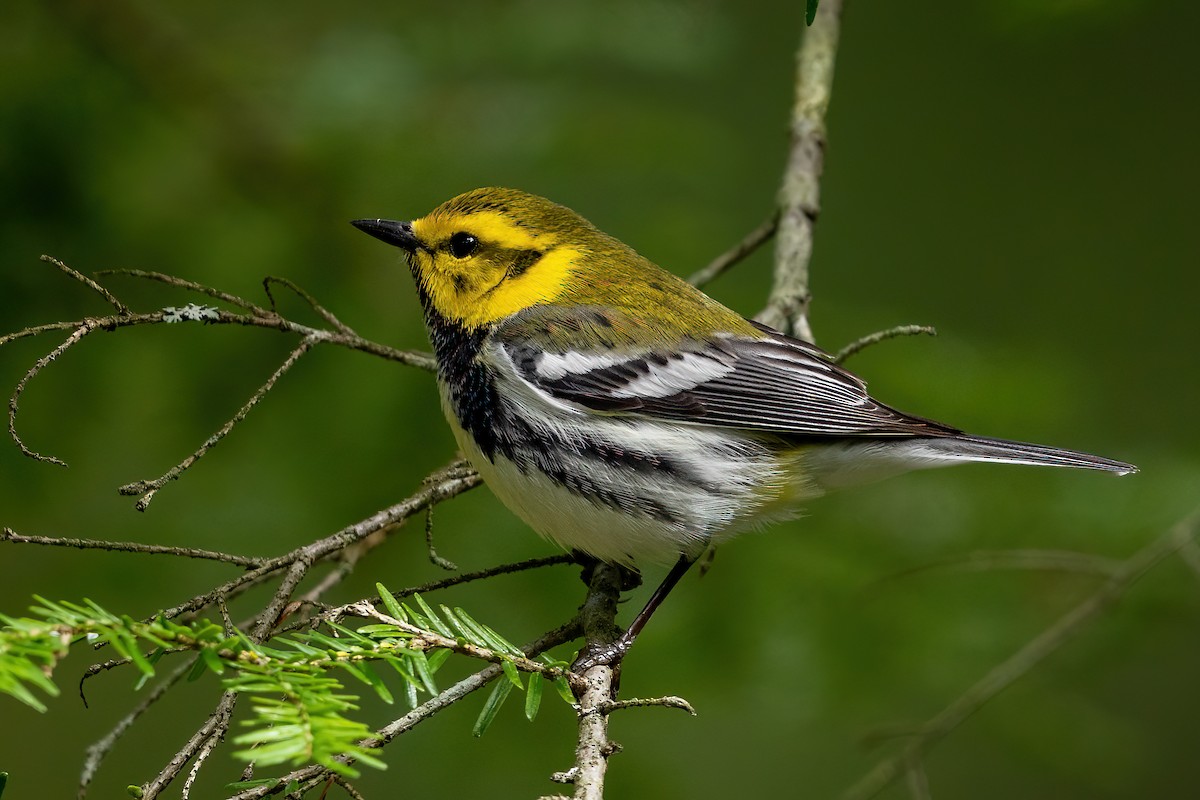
[1019,173]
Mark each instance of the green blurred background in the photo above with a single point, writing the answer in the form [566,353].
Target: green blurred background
[1019,173]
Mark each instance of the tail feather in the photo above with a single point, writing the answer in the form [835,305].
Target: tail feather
[980,448]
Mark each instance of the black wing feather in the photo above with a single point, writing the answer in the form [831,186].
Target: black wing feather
[773,384]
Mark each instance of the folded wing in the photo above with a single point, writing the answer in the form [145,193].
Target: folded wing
[769,383]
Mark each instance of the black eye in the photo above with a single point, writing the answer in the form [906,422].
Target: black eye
[463,244]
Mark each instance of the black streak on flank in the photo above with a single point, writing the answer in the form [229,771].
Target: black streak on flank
[522,260]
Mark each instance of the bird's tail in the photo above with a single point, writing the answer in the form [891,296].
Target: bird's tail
[962,447]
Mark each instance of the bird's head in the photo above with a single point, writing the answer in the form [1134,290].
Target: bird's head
[490,253]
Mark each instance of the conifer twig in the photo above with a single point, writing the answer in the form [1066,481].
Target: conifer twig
[313,774]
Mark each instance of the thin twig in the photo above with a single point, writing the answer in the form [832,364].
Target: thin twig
[120,307]
[183,283]
[227,619]
[670,701]
[338,612]
[346,561]
[800,193]
[434,558]
[752,241]
[85,327]
[1191,556]
[216,724]
[874,338]
[348,788]
[9,535]
[104,666]
[321,311]
[197,763]
[202,743]
[1029,560]
[503,569]
[1017,665]
[68,325]
[435,492]
[99,750]
[148,489]
[270,615]
[260,319]
[917,780]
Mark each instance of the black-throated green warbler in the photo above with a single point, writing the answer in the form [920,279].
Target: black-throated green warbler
[621,412]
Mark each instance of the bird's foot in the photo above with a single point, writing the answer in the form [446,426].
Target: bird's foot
[608,654]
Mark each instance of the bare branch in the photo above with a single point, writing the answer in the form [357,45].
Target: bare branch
[874,338]
[1017,665]
[753,240]
[206,750]
[596,686]
[917,780]
[271,614]
[434,558]
[450,482]
[347,787]
[1031,560]
[503,569]
[214,727]
[149,488]
[346,561]
[9,535]
[800,194]
[670,701]
[338,612]
[38,330]
[83,330]
[183,283]
[100,749]
[344,337]
[1191,556]
[213,731]
[120,307]
[321,311]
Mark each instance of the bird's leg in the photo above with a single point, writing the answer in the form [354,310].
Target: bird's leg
[612,653]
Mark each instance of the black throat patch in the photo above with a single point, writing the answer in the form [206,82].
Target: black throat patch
[470,383]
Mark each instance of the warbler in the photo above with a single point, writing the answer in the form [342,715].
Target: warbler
[621,412]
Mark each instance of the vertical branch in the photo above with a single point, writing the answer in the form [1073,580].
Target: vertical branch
[598,687]
[800,193]
[786,309]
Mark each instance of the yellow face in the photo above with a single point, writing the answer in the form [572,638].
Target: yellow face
[490,253]
[479,261]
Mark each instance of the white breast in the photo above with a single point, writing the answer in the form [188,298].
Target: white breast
[711,484]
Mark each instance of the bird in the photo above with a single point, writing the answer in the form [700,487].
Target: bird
[623,413]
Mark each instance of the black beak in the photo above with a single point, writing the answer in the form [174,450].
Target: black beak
[397,234]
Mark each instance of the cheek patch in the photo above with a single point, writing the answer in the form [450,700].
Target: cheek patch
[522,260]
